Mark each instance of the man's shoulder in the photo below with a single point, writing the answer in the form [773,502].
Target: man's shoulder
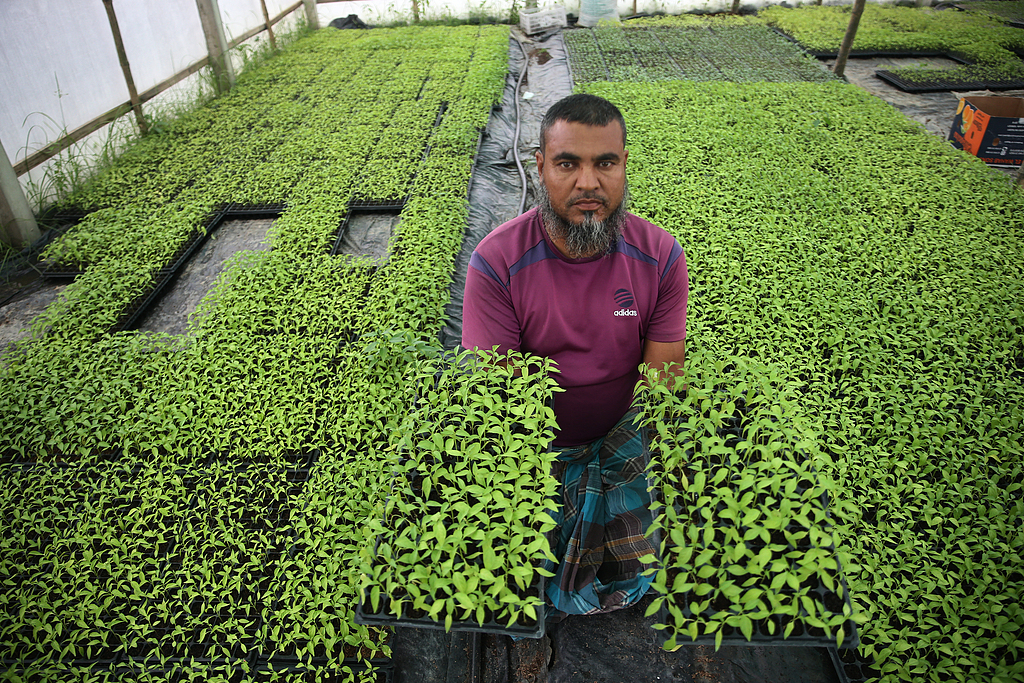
[643,227]
[649,238]
[512,238]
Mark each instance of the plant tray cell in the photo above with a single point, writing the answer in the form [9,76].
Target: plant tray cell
[941,86]
[365,616]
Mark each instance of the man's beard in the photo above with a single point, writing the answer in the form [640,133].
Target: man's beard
[590,237]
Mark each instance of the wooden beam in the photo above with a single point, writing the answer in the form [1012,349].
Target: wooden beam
[173,80]
[17,222]
[59,145]
[216,44]
[266,22]
[122,56]
[256,30]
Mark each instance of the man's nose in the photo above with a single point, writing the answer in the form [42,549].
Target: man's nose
[587,178]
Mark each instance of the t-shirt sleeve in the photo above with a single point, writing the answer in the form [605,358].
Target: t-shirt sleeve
[668,323]
[488,316]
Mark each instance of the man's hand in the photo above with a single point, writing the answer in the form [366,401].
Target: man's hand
[657,354]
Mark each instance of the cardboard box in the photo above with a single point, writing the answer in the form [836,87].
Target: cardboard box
[990,128]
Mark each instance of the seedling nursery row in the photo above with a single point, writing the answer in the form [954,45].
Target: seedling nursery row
[855,339]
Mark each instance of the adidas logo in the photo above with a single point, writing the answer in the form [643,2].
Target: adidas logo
[624,298]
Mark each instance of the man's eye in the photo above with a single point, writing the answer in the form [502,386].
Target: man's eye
[566,164]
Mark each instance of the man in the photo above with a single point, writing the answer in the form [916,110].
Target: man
[598,290]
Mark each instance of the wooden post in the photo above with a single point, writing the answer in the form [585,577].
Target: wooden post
[270,27]
[122,56]
[216,44]
[851,32]
[312,18]
[17,223]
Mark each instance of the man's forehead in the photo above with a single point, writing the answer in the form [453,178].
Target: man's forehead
[564,134]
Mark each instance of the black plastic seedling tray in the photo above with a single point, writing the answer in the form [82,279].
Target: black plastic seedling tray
[803,635]
[942,86]
[165,276]
[384,618]
[279,670]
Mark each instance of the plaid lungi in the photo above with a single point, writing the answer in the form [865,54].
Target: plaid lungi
[599,533]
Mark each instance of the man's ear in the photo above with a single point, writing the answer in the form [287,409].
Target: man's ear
[625,156]
[539,156]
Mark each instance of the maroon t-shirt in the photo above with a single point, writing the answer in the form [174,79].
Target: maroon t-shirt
[591,316]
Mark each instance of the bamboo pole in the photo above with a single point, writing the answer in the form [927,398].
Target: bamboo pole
[851,32]
[122,56]
[216,44]
[17,223]
[270,27]
[415,11]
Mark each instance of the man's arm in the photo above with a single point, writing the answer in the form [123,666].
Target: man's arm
[656,354]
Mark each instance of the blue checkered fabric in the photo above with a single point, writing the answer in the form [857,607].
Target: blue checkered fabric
[599,538]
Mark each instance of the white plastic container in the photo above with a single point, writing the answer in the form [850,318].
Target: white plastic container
[593,11]
[533,20]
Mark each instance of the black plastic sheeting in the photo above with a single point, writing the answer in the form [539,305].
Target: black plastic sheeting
[496,189]
[623,646]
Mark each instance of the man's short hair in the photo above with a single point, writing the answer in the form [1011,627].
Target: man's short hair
[590,110]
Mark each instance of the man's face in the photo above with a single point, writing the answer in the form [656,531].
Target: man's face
[583,169]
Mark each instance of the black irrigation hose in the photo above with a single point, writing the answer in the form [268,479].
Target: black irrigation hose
[515,139]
